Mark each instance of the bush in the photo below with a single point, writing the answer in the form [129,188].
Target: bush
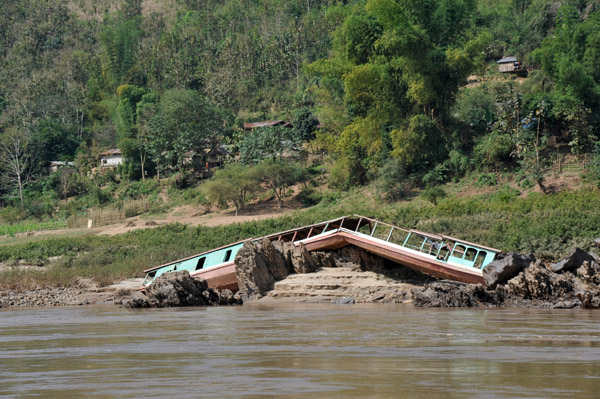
[486,180]
[434,194]
[309,197]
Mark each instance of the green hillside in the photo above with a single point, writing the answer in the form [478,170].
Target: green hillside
[401,94]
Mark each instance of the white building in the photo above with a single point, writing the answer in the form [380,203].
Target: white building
[111,158]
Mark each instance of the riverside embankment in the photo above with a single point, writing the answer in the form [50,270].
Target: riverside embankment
[269,271]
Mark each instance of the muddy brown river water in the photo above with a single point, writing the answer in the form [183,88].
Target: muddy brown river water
[299,351]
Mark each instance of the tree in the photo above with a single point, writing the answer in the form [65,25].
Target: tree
[235,184]
[434,194]
[305,124]
[419,145]
[15,160]
[190,121]
[267,143]
[279,175]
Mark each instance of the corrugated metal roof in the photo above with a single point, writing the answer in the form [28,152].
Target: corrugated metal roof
[507,59]
[254,125]
[112,151]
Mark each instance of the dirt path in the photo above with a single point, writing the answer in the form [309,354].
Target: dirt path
[195,216]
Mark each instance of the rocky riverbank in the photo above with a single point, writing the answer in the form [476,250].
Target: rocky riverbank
[523,281]
[274,270]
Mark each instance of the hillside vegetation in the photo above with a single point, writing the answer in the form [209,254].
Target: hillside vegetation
[387,98]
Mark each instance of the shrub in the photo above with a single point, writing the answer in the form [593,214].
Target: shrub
[434,194]
[486,180]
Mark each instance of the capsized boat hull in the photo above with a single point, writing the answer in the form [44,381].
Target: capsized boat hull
[391,252]
[219,277]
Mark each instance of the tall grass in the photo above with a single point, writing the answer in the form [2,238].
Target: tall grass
[24,227]
[111,214]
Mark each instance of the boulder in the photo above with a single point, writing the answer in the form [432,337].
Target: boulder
[502,270]
[176,289]
[537,282]
[572,261]
[258,266]
[212,296]
[348,300]
[297,258]
[227,298]
[137,300]
[588,300]
[449,294]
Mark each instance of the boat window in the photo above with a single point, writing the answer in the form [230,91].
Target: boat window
[480,258]
[200,263]
[365,229]
[227,256]
[470,256]
[431,246]
[398,237]
[459,251]
[415,241]
[175,267]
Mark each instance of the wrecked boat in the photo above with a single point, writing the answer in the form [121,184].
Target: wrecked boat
[440,256]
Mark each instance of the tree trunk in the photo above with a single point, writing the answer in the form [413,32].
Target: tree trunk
[142,162]
[20,182]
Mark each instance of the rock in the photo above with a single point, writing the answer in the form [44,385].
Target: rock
[258,266]
[211,296]
[572,261]
[137,300]
[150,223]
[323,259]
[227,298]
[537,282]
[176,289]
[566,304]
[302,262]
[297,258]
[588,300]
[350,255]
[446,294]
[345,301]
[502,270]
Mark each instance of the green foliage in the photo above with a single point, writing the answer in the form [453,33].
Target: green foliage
[391,180]
[486,180]
[418,146]
[493,150]
[268,143]
[234,184]
[24,227]
[309,197]
[279,175]
[434,194]
[477,108]
[305,124]
[118,38]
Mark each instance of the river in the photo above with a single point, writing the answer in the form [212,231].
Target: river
[301,351]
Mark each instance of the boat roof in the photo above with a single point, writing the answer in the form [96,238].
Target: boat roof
[195,256]
[353,222]
[472,244]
